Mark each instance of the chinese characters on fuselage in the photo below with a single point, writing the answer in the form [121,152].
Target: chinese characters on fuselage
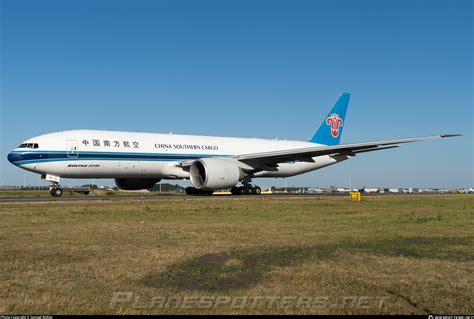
[109,143]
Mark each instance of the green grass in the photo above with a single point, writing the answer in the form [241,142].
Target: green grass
[417,252]
[24,193]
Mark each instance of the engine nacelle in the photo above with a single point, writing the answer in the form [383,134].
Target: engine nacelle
[214,173]
[133,184]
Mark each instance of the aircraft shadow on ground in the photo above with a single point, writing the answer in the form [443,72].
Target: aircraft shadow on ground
[245,268]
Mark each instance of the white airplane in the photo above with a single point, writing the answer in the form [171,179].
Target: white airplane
[140,160]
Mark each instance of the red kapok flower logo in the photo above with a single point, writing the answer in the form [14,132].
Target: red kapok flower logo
[334,121]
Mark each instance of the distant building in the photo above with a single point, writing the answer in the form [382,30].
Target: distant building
[371,190]
[425,190]
[315,190]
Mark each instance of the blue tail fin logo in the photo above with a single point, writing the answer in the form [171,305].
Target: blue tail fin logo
[330,131]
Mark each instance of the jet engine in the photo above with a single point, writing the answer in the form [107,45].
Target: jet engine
[214,173]
[132,184]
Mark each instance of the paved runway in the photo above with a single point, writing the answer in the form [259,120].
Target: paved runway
[169,196]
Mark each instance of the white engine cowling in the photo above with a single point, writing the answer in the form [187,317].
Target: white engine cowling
[214,173]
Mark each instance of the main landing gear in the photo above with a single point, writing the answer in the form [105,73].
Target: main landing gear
[242,190]
[246,190]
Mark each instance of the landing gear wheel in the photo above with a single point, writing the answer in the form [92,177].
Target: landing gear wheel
[258,190]
[235,190]
[56,192]
[199,192]
[246,190]
[190,190]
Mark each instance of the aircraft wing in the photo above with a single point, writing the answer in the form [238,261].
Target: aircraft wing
[307,154]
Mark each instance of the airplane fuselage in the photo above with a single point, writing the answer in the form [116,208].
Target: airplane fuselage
[140,160]
[111,154]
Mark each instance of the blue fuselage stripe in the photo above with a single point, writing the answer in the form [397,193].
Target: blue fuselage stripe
[22,158]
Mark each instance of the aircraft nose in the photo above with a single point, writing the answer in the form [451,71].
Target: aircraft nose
[13,157]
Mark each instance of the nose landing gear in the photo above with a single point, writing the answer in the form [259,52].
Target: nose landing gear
[55,190]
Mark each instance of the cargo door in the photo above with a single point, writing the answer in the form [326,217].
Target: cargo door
[72,151]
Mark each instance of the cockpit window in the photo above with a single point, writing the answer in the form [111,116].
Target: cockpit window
[29,145]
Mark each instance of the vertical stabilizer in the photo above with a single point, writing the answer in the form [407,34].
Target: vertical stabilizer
[330,131]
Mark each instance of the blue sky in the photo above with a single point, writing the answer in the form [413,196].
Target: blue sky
[251,69]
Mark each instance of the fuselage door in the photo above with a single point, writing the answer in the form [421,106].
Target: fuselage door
[72,151]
